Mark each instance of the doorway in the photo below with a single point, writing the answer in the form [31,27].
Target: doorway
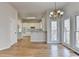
[54,31]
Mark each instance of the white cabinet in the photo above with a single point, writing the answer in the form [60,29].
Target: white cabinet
[38,36]
[28,33]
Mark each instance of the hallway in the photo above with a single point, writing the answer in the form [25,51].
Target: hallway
[36,50]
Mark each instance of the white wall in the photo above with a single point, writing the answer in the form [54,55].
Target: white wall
[6,14]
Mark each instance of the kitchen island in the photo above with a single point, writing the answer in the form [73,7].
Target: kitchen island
[36,35]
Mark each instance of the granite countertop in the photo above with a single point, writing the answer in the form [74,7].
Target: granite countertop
[35,30]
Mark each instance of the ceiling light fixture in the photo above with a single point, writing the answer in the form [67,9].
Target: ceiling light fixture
[30,17]
[56,13]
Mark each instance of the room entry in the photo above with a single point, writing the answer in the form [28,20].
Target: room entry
[54,31]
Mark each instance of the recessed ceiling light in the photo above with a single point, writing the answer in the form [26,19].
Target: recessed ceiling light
[30,17]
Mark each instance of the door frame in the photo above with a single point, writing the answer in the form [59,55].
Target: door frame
[58,40]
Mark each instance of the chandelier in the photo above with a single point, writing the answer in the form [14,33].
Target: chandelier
[56,13]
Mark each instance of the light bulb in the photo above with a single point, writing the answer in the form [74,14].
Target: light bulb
[51,13]
[58,11]
[62,13]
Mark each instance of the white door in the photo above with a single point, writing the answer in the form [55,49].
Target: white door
[13,30]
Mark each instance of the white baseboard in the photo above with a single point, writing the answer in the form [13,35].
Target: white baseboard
[73,49]
[5,47]
[8,46]
[54,42]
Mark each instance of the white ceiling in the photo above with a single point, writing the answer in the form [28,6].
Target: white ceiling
[31,9]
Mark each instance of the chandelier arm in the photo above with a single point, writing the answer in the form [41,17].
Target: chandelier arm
[55,5]
[56,13]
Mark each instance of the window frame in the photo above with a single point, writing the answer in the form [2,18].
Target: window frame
[76,31]
[66,31]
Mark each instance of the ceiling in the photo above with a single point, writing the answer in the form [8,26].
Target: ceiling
[35,9]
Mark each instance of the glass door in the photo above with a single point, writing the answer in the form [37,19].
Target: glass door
[54,31]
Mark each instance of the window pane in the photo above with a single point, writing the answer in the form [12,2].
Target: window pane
[77,23]
[54,31]
[67,37]
[67,31]
[77,39]
[67,25]
[77,31]
[54,25]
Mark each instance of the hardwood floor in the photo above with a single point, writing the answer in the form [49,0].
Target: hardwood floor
[24,48]
[58,50]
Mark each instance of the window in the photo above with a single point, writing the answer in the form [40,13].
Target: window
[54,31]
[67,31]
[77,31]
